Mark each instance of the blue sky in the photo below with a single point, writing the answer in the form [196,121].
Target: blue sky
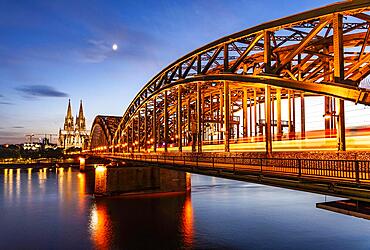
[51,51]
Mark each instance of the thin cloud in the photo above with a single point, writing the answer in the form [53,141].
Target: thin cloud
[40,91]
[5,103]
[97,51]
[17,127]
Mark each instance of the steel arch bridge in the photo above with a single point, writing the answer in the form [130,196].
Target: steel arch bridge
[193,101]
[102,131]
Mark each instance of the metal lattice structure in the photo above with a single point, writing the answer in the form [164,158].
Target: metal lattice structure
[103,130]
[193,100]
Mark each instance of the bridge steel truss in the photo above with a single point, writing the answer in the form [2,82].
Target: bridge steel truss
[102,131]
[193,100]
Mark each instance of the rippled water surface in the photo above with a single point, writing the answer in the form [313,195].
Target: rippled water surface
[52,209]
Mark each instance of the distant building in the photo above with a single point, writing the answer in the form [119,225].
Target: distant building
[74,135]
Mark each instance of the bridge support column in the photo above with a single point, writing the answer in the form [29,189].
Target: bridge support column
[211,115]
[221,121]
[203,134]
[303,117]
[165,120]
[327,111]
[188,117]
[199,117]
[339,77]
[138,131]
[245,112]
[293,115]
[227,116]
[272,116]
[179,118]
[267,53]
[250,117]
[341,131]
[133,135]
[279,129]
[125,140]
[260,120]
[289,114]
[268,120]
[255,111]
[154,128]
[146,127]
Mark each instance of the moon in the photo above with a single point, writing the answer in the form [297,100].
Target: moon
[114,46]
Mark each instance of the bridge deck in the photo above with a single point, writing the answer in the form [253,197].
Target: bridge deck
[344,178]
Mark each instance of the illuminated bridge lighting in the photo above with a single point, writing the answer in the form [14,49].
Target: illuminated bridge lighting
[261,89]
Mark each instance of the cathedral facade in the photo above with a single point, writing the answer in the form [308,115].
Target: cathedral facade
[74,134]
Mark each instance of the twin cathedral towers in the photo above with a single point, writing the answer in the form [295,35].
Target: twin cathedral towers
[74,135]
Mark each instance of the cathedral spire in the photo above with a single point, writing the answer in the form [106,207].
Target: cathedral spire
[81,111]
[68,122]
[80,119]
[69,109]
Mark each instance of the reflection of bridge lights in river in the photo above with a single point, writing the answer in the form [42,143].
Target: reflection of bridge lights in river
[81,192]
[29,184]
[10,183]
[18,183]
[100,226]
[188,222]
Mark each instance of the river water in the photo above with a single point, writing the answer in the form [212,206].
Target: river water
[53,209]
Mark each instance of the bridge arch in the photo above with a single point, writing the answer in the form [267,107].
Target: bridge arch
[102,132]
[318,52]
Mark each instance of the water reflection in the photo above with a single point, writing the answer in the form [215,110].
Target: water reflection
[10,184]
[81,192]
[29,184]
[188,222]
[5,182]
[60,174]
[55,205]
[100,226]
[18,183]
[162,221]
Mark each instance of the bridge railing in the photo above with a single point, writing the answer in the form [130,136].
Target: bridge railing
[347,170]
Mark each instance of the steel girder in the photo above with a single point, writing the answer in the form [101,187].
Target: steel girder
[302,55]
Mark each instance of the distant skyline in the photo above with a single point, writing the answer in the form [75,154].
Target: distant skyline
[51,51]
